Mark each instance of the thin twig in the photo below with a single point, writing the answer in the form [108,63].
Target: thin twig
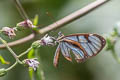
[61,22]
[22,54]
[21,9]
[11,51]
[11,67]
[116,57]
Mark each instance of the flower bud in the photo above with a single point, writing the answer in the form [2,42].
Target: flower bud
[25,24]
[36,44]
[117,28]
[47,40]
[33,63]
[10,32]
[2,72]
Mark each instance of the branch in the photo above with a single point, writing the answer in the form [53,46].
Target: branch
[11,51]
[20,9]
[73,16]
[11,67]
[60,23]
[22,54]
[23,40]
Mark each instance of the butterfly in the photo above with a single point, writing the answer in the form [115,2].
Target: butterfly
[83,46]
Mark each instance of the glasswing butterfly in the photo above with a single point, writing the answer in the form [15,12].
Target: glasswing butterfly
[83,46]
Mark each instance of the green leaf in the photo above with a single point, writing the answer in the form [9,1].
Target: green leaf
[31,54]
[39,74]
[115,32]
[110,44]
[3,60]
[31,74]
[35,21]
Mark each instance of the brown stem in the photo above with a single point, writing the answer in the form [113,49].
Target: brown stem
[72,17]
[60,23]
[23,40]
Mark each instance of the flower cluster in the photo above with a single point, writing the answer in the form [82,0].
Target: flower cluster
[33,63]
[10,32]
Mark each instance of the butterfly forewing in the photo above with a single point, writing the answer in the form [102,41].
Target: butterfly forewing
[84,45]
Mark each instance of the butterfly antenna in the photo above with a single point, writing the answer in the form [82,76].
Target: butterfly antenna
[51,17]
[60,34]
[21,9]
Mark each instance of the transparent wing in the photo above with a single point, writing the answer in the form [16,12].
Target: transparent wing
[56,56]
[84,45]
[65,51]
[79,55]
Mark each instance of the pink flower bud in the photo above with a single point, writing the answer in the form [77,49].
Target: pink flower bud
[10,32]
[33,63]
[26,24]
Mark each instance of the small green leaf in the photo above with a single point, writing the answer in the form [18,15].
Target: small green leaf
[31,54]
[31,73]
[3,72]
[35,21]
[39,74]
[110,44]
[115,32]
[3,60]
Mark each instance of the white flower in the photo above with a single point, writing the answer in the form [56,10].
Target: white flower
[47,40]
[33,63]
[9,31]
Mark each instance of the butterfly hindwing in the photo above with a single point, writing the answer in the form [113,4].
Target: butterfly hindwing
[56,56]
[65,51]
[79,55]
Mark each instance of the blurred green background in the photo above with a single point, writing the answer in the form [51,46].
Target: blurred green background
[101,21]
